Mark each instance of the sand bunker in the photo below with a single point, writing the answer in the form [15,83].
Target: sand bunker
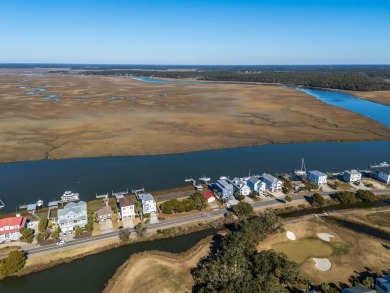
[325,236]
[323,264]
[291,235]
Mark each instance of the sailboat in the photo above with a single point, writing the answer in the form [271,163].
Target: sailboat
[301,172]
[2,205]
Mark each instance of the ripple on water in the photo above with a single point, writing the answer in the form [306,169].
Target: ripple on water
[22,87]
[119,98]
[30,93]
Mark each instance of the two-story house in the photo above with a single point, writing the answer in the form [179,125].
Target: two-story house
[240,186]
[104,213]
[255,184]
[73,215]
[127,206]
[382,174]
[317,177]
[10,227]
[225,188]
[148,203]
[271,183]
[352,176]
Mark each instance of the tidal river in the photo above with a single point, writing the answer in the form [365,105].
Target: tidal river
[26,182]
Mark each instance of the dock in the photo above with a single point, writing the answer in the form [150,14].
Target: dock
[102,195]
[197,187]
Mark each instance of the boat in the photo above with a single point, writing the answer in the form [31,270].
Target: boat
[70,196]
[383,164]
[2,205]
[39,203]
[301,172]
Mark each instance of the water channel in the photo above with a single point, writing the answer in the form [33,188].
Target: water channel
[26,182]
[91,273]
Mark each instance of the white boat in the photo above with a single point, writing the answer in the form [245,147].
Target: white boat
[39,203]
[70,196]
[301,172]
[383,164]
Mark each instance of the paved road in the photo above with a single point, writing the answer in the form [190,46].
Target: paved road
[206,216]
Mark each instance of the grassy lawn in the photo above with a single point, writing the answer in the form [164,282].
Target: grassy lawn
[381,219]
[7,249]
[300,250]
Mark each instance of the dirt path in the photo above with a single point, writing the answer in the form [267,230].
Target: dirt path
[152,272]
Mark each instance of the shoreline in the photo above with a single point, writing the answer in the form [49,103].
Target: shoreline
[203,150]
[184,230]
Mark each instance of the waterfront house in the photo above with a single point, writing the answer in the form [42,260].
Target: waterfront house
[225,188]
[148,203]
[208,196]
[317,177]
[271,183]
[382,174]
[255,184]
[127,206]
[241,187]
[104,213]
[352,176]
[382,285]
[73,215]
[10,228]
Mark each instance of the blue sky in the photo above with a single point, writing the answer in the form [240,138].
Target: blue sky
[195,32]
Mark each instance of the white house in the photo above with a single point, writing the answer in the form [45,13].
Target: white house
[352,176]
[255,184]
[382,174]
[242,187]
[10,228]
[148,203]
[73,215]
[317,177]
[271,183]
[127,206]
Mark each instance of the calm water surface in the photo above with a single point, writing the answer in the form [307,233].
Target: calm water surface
[90,274]
[377,112]
[25,182]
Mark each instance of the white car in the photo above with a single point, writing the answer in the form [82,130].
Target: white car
[62,242]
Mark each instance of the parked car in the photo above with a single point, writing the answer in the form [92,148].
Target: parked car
[62,242]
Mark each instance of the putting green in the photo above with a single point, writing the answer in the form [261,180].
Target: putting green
[300,250]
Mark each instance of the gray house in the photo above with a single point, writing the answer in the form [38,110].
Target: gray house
[72,215]
[225,188]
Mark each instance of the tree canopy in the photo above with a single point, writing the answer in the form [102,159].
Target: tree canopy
[239,267]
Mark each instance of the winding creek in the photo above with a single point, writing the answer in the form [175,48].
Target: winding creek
[91,273]
[49,179]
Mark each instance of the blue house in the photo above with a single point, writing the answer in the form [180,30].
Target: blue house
[255,184]
[225,188]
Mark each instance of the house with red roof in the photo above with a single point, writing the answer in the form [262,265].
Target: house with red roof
[10,228]
[209,196]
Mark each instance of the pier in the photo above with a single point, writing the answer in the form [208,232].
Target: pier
[197,187]
[102,195]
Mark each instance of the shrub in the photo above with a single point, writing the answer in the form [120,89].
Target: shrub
[14,262]
[365,195]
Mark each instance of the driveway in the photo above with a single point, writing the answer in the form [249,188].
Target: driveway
[128,223]
[106,226]
[153,218]
[213,205]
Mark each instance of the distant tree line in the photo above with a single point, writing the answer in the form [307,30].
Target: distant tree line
[357,78]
